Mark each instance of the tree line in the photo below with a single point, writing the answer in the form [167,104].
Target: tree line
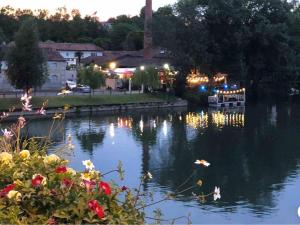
[256,42]
[120,33]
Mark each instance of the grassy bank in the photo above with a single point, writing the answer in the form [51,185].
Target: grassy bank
[60,101]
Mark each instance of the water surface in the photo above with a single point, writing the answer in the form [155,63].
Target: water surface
[254,155]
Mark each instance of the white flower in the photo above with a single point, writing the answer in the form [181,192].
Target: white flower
[202,162]
[149,175]
[7,134]
[217,194]
[14,195]
[88,164]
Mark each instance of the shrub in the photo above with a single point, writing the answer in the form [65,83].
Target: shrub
[40,188]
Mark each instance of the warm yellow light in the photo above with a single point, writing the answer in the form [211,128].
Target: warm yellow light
[142,68]
[166,66]
[113,65]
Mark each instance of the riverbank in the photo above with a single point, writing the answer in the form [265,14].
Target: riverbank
[80,105]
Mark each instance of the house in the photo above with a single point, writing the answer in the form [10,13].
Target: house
[57,72]
[69,51]
[129,59]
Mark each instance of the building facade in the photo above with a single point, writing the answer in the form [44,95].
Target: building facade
[70,51]
[57,71]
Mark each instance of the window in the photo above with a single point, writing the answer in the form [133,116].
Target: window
[94,54]
[67,54]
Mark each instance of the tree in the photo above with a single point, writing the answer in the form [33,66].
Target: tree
[25,60]
[146,77]
[79,55]
[91,77]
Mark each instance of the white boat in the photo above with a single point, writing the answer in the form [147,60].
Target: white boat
[228,98]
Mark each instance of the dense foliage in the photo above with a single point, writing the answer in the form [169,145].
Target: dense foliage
[255,41]
[91,77]
[118,33]
[146,77]
[25,60]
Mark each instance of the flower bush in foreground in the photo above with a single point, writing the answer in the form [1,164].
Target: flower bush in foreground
[38,188]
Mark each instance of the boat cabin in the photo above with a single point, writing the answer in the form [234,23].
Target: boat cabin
[228,98]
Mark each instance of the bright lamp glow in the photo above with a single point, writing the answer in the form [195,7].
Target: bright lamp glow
[113,65]
[142,68]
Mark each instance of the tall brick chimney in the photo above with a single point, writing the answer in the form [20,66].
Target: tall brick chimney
[148,41]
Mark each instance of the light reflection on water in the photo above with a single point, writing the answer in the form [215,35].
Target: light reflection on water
[254,155]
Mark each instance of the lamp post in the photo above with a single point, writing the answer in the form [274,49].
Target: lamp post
[142,68]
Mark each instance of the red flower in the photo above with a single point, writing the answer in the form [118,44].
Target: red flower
[7,189]
[67,182]
[96,208]
[105,187]
[61,169]
[37,181]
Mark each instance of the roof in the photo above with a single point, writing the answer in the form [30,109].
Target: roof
[49,53]
[52,55]
[70,46]
[128,58]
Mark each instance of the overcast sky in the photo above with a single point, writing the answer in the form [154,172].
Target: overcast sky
[105,8]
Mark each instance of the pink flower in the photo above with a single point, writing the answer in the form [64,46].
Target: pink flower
[27,106]
[4,115]
[26,102]
[21,121]
[105,187]
[26,98]
[51,221]
[7,134]
[41,111]
[89,184]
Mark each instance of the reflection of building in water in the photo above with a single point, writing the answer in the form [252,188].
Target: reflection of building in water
[229,118]
[273,116]
[125,122]
[197,120]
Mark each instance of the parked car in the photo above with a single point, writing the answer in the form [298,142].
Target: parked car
[70,85]
[82,89]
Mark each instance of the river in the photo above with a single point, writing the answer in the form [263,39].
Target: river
[254,154]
